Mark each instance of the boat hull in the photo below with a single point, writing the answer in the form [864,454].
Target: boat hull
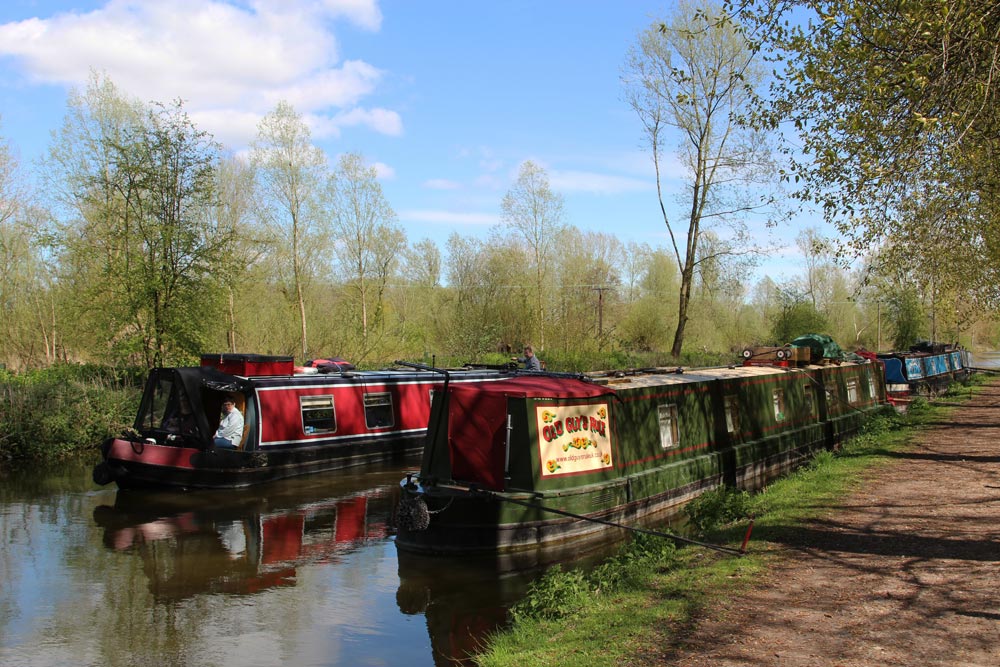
[137,465]
[674,442]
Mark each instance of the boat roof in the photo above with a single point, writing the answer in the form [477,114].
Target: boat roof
[675,376]
[536,386]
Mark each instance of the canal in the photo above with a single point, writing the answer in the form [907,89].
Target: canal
[300,572]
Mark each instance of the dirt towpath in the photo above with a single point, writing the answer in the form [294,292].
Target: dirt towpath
[904,572]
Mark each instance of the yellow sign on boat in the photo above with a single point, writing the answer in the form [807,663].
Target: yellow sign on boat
[573,439]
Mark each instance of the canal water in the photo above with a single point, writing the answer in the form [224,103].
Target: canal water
[300,572]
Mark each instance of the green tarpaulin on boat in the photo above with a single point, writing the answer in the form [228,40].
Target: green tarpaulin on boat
[821,346]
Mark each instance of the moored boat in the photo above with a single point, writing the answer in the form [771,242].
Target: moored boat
[544,461]
[926,369]
[296,421]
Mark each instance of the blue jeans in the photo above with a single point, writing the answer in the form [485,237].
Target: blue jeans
[225,443]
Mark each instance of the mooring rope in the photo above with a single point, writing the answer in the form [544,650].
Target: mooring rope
[614,524]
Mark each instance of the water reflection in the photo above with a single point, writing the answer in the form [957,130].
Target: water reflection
[301,572]
[247,542]
[464,600]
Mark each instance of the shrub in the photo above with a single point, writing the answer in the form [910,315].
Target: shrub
[718,507]
[48,414]
[555,595]
[559,593]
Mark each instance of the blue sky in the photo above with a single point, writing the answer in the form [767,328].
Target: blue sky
[447,98]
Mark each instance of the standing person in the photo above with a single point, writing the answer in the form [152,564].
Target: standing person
[530,361]
[231,427]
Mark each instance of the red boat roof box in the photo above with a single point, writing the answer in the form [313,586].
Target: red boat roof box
[249,365]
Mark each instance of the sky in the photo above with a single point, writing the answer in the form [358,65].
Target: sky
[446,98]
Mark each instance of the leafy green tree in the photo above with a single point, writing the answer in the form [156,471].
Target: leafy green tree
[646,326]
[29,325]
[695,75]
[233,215]
[586,293]
[139,250]
[486,282]
[907,318]
[368,238]
[419,300]
[894,118]
[797,317]
[291,175]
[535,213]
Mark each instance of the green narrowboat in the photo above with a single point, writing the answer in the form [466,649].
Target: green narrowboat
[540,461]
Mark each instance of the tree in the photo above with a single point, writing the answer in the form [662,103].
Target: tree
[647,324]
[587,290]
[418,301]
[232,214]
[27,312]
[696,74]
[533,211]
[797,317]
[369,240]
[893,107]
[292,173]
[140,181]
[486,294]
[818,265]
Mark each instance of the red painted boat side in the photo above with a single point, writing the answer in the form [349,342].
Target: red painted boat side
[150,454]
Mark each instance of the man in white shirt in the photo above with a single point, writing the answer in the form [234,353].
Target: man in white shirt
[230,431]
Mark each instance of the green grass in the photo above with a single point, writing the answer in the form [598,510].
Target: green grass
[570,619]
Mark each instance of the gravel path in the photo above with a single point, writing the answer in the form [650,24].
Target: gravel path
[904,572]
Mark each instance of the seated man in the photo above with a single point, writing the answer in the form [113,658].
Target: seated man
[230,431]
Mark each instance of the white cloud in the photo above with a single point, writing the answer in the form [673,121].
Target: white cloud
[441,184]
[218,56]
[384,171]
[449,217]
[604,184]
[381,120]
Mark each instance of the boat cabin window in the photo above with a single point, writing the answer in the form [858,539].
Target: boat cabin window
[872,389]
[852,391]
[378,410]
[732,414]
[318,414]
[778,397]
[810,398]
[669,434]
[158,404]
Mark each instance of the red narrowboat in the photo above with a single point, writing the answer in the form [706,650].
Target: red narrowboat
[295,421]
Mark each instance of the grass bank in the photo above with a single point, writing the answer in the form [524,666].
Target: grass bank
[64,410]
[626,610]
